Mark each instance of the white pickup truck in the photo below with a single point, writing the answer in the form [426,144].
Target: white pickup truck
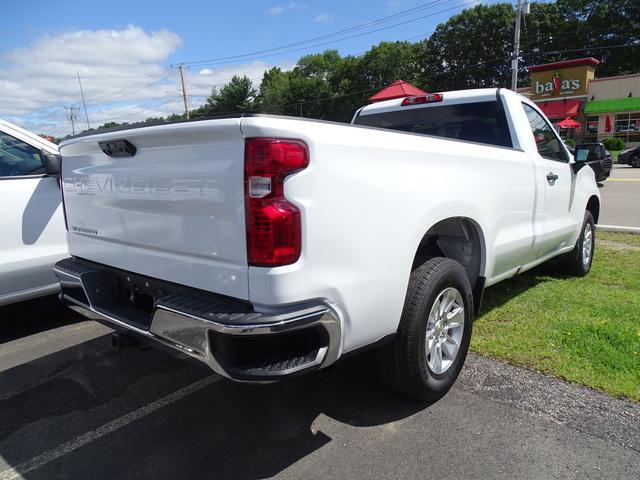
[269,246]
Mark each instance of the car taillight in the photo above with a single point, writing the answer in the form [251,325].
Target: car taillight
[274,236]
[428,98]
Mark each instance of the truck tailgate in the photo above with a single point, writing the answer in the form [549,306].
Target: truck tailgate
[173,210]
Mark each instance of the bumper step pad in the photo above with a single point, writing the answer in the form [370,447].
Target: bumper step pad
[225,333]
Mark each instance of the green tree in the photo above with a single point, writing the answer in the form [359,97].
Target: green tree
[603,23]
[387,62]
[236,96]
[320,65]
[470,50]
[294,93]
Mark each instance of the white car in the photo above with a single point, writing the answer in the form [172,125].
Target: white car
[269,246]
[31,216]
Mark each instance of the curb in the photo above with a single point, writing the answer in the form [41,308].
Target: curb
[618,228]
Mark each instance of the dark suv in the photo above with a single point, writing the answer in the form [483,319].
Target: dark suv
[598,158]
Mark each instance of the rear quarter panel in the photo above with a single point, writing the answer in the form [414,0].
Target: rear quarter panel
[368,197]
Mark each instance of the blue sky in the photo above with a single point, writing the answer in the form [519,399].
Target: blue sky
[122,49]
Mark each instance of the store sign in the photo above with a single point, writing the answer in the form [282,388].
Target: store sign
[568,82]
[557,85]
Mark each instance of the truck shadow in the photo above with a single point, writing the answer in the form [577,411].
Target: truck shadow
[19,320]
[497,295]
[224,430]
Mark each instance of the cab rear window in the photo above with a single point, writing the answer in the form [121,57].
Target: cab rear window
[480,122]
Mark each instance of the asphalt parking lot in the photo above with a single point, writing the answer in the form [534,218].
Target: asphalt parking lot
[72,407]
[621,197]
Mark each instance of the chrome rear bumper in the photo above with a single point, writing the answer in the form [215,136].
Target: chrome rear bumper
[209,330]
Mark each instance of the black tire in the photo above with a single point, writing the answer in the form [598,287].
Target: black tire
[635,162]
[574,262]
[403,364]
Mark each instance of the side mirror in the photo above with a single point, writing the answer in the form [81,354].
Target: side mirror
[589,153]
[52,164]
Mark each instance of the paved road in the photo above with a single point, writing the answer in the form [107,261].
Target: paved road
[71,407]
[621,197]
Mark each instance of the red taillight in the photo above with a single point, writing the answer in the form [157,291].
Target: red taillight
[428,98]
[274,236]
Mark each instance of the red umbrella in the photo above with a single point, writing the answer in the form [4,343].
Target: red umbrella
[568,123]
[607,124]
[398,89]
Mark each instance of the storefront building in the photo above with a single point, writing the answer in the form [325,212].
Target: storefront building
[585,107]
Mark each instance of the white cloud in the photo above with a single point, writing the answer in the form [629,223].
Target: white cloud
[122,75]
[324,18]
[274,11]
[44,74]
[278,10]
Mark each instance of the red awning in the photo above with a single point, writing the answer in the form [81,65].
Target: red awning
[568,123]
[398,89]
[562,108]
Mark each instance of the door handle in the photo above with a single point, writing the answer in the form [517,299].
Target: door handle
[551,177]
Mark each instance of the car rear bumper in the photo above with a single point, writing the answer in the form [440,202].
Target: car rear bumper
[224,333]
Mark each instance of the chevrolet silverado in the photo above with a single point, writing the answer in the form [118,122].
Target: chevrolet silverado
[268,246]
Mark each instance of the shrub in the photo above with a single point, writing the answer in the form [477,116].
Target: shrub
[570,141]
[613,143]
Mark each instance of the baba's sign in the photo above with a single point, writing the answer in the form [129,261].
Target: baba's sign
[557,85]
[561,79]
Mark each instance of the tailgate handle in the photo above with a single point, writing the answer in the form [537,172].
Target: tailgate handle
[118,148]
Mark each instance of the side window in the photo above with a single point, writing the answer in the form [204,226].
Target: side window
[547,141]
[18,158]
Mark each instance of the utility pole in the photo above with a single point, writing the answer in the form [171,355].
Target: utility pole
[301,102]
[71,116]
[184,91]
[83,102]
[521,8]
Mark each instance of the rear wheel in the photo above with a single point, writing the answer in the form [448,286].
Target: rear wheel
[578,261]
[635,162]
[429,350]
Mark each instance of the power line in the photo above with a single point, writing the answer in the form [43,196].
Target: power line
[361,92]
[140,81]
[59,130]
[131,92]
[257,57]
[153,79]
[132,107]
[369,90]
[323,37]
[585,49]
